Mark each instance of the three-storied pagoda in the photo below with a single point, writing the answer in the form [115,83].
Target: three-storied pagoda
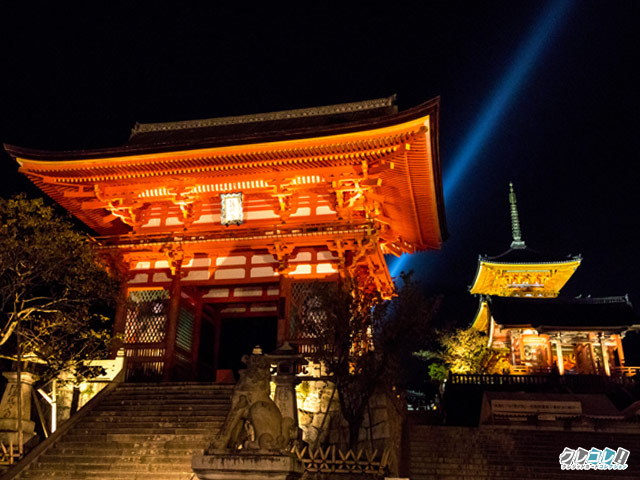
[218,225]
[521,312]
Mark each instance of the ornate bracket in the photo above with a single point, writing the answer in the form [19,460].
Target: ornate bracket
[284,195]
[176,257]
[282,252]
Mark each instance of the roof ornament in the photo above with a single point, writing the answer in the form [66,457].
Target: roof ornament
[515,221]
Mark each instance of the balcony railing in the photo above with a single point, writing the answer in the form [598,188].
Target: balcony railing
[241,233]
[569,381]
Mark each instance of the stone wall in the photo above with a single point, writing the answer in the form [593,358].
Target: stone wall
[322,423]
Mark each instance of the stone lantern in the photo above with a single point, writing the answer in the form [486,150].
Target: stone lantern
[286,360]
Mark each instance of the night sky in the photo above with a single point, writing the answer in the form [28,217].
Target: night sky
[566,132]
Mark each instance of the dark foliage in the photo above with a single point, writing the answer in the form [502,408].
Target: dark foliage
[364,340]
[54,293]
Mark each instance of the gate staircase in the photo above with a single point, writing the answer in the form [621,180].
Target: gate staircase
[137,431]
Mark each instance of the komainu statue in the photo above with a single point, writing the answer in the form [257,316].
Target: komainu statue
[254,421]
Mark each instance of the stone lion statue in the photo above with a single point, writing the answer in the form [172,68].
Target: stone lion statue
[254,421]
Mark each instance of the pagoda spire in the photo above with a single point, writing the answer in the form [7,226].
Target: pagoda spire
[517,241]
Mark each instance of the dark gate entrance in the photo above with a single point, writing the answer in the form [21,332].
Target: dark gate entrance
[223,342]
[240,335]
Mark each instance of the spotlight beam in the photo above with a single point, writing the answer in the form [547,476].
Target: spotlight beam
[498,104]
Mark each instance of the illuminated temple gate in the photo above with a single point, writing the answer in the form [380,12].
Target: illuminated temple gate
[219,225]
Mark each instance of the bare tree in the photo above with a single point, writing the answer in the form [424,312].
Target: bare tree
[363,339]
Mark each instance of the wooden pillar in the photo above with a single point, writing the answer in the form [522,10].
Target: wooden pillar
[558,341]
[217,323]
[605,355]
[592,354]
[284,310]
[521,349]
[171,325]
[120,319]
[549,352]
[514,339]
[619,349]
[195,337]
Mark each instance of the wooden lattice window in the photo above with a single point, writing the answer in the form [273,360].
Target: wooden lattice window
[185,329]
[146,316]
[305,305]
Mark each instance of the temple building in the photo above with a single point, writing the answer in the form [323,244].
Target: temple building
[218,226]
[538,331]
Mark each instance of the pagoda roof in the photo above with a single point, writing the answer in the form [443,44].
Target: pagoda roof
[564,314]
[528,255]
[521,270]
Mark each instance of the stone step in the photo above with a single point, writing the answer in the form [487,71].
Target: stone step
[135,432]
[151,411]
[138,431]
[167,401]
[106,475]
[107,458]
[140,449]
[167,404]
[212,409]
[152,422]
[211,392]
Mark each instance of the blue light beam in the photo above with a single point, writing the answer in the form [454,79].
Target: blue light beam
[504,94]
[499,102]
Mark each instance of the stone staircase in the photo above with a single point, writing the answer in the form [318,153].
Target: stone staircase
[138,431]
[466,453]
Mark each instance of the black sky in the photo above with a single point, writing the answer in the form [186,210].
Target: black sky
[81,77]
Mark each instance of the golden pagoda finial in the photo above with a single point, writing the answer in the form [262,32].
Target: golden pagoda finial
[515,220]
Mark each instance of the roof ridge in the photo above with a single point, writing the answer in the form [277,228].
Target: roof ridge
[565,299]
[339,108]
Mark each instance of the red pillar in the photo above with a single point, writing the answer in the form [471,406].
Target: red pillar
[172,326]
[120,319]
[217,323]
[195,337]
[284,310]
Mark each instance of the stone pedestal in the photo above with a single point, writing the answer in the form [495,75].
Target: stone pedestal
[9,409]
[250,465]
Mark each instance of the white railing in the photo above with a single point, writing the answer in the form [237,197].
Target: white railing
[89,389]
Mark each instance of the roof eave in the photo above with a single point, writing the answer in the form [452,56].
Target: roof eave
[430,108]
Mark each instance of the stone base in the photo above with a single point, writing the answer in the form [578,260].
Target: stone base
[9,430]
[246,465]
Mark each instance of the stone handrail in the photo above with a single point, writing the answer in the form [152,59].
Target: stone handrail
[43,446]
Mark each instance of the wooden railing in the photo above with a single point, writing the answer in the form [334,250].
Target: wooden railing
[626,371]
[571,381]
[488,379]
[333,460]
[334,229]
[144,360]
[9,454]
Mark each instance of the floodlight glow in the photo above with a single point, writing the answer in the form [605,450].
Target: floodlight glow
[498,104]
